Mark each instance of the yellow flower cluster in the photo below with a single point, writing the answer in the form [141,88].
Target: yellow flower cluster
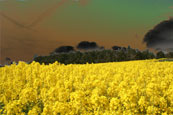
[128,88]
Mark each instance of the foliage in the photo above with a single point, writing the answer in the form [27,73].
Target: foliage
[64,49]
[96,56]
[160,54]
[85,45]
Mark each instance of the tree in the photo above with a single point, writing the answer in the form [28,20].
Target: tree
[139,56]
[35,56]
[160,54]
[8,61]
[64,49]
[169,55]
[147,54]
[85,45]
[102,48]
[124,48]
[128,47]
[116,47]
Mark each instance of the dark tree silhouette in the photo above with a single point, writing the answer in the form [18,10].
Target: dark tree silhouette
[124,48]
[160,54]
[85,45]
[64,49]
[169,55]
[116,47]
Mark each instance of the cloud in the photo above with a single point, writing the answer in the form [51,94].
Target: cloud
[161,36]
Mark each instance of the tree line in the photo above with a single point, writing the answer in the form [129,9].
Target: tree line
[90,52]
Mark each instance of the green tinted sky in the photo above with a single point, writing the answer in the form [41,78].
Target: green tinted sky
[108,22]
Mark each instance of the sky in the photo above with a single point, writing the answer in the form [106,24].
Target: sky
[29,27]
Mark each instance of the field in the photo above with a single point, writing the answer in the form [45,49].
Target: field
[128,88]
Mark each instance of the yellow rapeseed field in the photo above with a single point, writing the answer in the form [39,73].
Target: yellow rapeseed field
[119,88]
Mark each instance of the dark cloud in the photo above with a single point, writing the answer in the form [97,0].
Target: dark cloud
[161,36]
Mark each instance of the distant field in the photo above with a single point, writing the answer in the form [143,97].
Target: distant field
[119,88]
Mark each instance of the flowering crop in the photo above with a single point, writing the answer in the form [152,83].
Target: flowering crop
[133,87]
